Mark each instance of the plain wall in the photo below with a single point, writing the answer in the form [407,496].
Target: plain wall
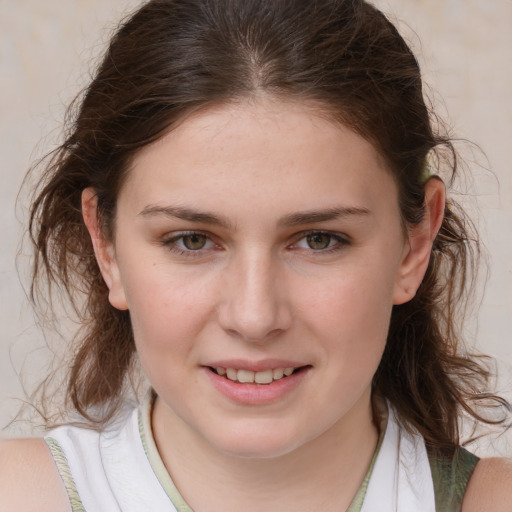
[47,49]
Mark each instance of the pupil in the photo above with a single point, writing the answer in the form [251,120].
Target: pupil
[319,241]
[194,242]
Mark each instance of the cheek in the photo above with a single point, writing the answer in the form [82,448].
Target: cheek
[356,301]
[167,309]
[350,315]
[166,321]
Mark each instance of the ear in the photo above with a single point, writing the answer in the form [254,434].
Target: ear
[103,249]
[419,244]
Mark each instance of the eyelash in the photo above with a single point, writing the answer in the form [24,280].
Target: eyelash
[340,241]
[171,242]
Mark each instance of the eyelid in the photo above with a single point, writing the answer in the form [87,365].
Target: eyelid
[341,239]
[170,239]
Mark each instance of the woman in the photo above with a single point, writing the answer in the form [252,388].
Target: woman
[248,207]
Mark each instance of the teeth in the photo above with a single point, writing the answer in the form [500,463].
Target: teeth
[249,377]
[278,373]
[265,377]
[245,376]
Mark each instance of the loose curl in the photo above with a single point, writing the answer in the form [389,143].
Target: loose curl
[175,57]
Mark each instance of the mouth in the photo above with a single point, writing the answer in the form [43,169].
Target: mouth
[261,377]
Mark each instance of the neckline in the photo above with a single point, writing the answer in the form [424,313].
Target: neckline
[177,500]
[153,455]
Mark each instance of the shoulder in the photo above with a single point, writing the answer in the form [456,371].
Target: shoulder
[490,487]
[29,479]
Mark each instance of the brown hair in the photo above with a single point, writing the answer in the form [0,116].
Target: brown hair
[172,57]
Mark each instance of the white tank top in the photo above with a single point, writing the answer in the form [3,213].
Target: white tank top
[120,470]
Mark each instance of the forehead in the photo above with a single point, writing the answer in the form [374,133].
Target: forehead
[287,151]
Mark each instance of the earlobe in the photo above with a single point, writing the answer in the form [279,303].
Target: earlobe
[419,244]
[103,250]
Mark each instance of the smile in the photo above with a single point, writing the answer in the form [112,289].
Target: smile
[265,383]
[250,377]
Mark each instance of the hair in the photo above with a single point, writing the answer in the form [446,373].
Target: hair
[175,57]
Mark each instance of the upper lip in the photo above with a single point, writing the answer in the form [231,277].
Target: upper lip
[254,366]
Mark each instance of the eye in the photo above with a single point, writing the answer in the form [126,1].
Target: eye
[321,241]
[188,242]
[194,241]
[318,241]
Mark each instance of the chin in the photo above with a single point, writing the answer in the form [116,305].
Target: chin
[257,450]
[262,443]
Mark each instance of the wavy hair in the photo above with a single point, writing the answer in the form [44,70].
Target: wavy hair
[174,57]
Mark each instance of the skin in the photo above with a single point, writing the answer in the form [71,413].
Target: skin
[257,292]
[257,288]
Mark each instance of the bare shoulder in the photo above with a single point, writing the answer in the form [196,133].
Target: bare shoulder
[29,479]
[490,487]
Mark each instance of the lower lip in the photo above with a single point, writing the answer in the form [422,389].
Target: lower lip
[256,394]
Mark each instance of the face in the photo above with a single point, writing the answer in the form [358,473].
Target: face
[259,250]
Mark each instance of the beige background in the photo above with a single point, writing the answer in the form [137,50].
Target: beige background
[47,48]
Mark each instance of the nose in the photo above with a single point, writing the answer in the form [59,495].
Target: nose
[254,305]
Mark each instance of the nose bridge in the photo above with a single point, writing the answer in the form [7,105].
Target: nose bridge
[255,305]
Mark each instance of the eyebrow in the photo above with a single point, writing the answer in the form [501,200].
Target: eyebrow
[312,216]
[290,220]
[186,214]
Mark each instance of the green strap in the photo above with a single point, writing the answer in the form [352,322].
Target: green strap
[451,477]
[65,473]
[148,442]
[357,502]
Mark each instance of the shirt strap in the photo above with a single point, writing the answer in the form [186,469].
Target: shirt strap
[450,477]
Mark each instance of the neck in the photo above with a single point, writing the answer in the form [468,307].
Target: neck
[324,473]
